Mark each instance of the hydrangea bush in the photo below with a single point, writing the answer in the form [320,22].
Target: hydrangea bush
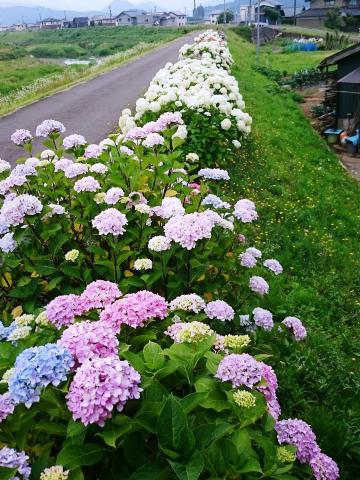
[135,342]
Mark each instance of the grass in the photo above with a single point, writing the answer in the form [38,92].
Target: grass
[310,221]
[27,79]
[271,56]
[313,32]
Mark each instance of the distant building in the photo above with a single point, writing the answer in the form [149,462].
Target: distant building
[51,24]
[79,22]
[316,15]
[173,19]
[214,16]
[4,28]
[102,21]
[249,13]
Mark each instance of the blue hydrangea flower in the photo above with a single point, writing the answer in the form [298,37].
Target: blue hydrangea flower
[6,331]
[38,367]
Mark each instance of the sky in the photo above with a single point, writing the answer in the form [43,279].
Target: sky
[100,4]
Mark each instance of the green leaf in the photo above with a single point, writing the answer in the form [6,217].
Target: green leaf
[192,400]
[150,472]
[250,465]
[172,429]
[76,474]
[7,473]
[192,469]
[153,356]
[73,456]
[205,435]
[112,435]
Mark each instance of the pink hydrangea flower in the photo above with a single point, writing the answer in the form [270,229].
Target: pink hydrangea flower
[247,260]
[21,136]
[188,229]
[220,310]
[63,309]
[134,310]
[93,151]
[88,340]
[98,386]
[99,294]
[113,195]
[110,222]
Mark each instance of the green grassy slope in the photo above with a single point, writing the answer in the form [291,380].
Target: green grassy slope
[310,220]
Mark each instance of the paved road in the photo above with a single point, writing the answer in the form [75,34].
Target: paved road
[91,109]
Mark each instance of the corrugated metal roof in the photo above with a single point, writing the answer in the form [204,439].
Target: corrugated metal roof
[336,57]
[352,77]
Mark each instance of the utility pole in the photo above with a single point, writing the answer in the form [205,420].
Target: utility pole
[249,13]
[194,11]
[224,13]
[110,12]
[258,35]
[294,12]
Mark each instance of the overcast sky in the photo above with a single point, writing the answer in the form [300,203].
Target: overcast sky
[100,4]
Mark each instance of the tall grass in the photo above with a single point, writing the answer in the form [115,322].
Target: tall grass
[309,209]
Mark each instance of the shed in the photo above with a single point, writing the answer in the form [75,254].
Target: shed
[343,86]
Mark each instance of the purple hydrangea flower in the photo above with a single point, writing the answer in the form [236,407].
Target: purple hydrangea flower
[93,151]
[188,229]
[98,386]
[152,140]
[15,210]
[62,164]
[10,458]
[324,467]
[7,406]
[263,318]
[21,136]
[247,260]
[239,370]
[259,285]
[99,168]
[110,222]
[86,184]
[75,169]
[113,195]
[269,391]
[7,243]
[220,310]
[299,434]
[48,127]
[74,141]
[170,207]
[274,266]
[295,325]
[214,174]
[169,118]
[245,211]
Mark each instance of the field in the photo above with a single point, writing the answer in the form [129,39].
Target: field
[27,57]
[311,213]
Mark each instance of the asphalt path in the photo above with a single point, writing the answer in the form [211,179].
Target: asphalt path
[91,108]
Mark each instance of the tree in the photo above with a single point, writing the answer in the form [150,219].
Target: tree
[333,19]
[272,14]
[229,17]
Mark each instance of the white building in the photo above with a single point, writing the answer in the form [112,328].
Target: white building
[51,24]
[248,13]
[214,16]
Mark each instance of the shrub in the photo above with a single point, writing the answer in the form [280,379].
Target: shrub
[140,348]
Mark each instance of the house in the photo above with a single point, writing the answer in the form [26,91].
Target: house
[51,24]
[249,13]
[130,18]
[79,22]
[101,21]
[173,19]
[214,16]
[343,86]
[315,16]
[4,28]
